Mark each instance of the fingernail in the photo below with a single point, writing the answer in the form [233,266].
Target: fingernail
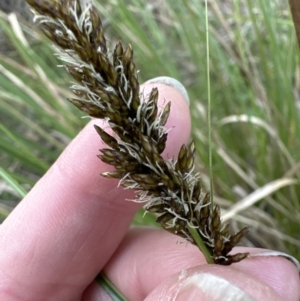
[207,286]
[271,253]
[172,82]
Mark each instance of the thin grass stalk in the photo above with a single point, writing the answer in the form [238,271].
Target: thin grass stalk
[110,288]
[11,181]
[209,109]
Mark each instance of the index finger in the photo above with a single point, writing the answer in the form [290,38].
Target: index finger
[67,227]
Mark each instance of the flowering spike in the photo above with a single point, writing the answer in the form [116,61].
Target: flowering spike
[107,87]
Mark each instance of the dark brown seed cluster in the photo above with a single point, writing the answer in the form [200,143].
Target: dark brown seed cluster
[107,87]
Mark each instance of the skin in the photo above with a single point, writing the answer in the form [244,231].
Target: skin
[74,223]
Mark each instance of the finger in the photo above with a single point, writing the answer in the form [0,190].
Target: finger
[147,257]
[64,231]
[218,283]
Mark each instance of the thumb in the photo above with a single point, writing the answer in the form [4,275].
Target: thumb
[213,283]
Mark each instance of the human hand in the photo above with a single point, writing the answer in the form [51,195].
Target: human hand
[73,224]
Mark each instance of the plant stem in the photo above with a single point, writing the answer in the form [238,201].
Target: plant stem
[209,109]
[202,247]
[109,288]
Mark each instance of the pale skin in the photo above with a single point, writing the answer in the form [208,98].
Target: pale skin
[74,223]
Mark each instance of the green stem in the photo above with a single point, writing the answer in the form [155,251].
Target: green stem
[12,182]
[109,288]
[201,245]
[209,110]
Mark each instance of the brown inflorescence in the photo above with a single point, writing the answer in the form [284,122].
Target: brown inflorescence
[107,87]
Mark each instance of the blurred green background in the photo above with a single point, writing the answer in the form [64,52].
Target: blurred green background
[255,80]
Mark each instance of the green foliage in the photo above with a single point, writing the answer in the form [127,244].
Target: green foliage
[255,102]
